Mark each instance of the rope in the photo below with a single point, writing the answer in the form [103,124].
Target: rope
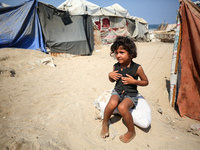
[158,60]
[154,56]
[157,91]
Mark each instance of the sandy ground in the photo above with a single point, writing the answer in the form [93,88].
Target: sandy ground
[51,108]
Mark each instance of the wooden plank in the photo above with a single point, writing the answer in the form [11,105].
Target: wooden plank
[174,94]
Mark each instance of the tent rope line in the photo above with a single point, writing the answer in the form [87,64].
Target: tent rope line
[157,91]
[154,56]
[159,60]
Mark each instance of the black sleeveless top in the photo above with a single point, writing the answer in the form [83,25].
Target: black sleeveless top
[129,89]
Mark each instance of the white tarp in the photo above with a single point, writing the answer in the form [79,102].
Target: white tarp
[80,7]
[117,10]
[83,7]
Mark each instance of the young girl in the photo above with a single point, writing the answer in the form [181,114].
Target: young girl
[124,95]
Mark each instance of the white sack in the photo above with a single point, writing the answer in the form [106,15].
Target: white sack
[141,113]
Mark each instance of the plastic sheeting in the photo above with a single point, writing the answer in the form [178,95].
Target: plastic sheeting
[138,30]
[117,22]
[20,27]
[83,7]
[80,7]
[116,10]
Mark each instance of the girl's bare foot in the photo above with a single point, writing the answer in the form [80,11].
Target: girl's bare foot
[105,130]
[127,137]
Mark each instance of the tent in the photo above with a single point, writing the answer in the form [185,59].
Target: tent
[185,70]
[121,23]
[83,7]
[40,25]
[112,21]
[116,10]
[23,32]
[80,7]
[64,33]
[138,28]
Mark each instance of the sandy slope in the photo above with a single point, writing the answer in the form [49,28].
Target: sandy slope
[44,107]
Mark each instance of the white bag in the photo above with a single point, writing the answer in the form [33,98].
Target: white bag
[141,113]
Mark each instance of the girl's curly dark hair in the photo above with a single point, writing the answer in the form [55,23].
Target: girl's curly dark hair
[127,44]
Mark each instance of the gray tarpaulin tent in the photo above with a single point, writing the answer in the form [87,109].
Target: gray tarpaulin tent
[138,28]
[64,33]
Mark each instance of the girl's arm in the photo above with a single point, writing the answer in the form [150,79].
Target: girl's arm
[143,78]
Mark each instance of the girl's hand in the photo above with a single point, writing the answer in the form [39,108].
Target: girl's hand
[128,80]
[115,75]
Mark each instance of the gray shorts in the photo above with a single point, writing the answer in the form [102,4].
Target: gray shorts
[123,96]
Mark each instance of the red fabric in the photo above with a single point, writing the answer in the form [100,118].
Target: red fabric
[106,23]
[115,29]
[189,93]
[98,24]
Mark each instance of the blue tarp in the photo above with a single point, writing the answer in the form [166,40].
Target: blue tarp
[20,27]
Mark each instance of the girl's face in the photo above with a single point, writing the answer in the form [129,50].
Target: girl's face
[122,56]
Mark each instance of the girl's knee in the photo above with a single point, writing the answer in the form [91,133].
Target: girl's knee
[112,103]
[122,108]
